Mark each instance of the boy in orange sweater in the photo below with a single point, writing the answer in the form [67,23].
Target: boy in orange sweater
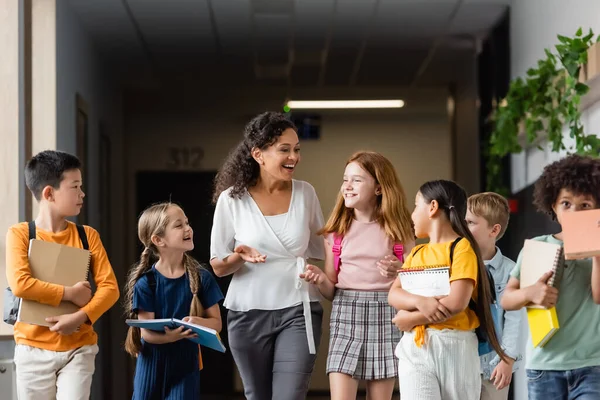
[57,362]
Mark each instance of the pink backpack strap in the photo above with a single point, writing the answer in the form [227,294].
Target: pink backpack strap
[336,248]
[399,251]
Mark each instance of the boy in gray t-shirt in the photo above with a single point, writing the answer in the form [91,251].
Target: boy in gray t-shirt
[568,366]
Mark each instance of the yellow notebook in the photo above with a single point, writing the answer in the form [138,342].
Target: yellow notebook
[54,263]
[543,324]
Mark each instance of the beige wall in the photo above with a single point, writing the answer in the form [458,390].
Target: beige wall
[81,71]
[415,139]
[9,132]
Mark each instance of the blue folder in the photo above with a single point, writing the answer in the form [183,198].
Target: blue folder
[206,336]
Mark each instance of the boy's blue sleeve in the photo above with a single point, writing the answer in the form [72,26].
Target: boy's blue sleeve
[211,293]
[143,296]
[512,325]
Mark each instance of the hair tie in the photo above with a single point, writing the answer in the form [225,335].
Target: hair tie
[450,207]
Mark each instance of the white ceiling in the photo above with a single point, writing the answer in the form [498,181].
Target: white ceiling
[299,42]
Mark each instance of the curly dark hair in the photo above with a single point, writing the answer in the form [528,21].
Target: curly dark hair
[240,170]
[578,174]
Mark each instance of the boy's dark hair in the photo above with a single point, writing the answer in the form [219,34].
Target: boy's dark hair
[47,168]
[578,174]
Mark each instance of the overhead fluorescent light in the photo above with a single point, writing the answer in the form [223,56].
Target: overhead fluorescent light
[342,104]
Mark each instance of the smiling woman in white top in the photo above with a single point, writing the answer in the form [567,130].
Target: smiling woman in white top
[265,228]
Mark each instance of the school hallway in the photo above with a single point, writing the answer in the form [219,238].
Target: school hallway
[151,95]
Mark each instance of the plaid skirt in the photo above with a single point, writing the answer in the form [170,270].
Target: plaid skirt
[363,338]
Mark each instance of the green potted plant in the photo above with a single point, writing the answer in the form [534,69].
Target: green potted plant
[538,106]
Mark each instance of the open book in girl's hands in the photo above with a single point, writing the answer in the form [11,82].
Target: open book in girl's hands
[205,336]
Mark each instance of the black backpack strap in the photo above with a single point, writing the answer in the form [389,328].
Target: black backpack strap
[83,237]
[452,246]
[32,233]
[200,268]
[472,304]
[86,246]
[151,280]
[492,284]
[418,248]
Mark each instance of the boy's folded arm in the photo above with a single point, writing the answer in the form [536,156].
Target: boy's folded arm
[514,297]
[18,274]
[107,289]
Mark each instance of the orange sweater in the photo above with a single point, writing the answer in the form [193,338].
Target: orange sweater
[26,286]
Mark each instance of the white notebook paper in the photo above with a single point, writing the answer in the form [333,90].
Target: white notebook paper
[426,282]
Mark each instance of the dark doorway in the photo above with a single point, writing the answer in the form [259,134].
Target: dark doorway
[525,224]
[193,192]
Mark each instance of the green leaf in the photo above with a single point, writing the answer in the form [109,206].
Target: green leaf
[579,32]
[572,68]
[581,88]
[564,39]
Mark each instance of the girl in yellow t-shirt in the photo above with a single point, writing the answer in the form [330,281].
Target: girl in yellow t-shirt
[438,354]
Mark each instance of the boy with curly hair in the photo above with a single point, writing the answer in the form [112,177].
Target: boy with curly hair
[568,366]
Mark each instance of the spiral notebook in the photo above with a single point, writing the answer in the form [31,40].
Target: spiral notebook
[539,258]
[53,263]
[428,282]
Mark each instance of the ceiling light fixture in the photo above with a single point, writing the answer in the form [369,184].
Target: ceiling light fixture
[341,104]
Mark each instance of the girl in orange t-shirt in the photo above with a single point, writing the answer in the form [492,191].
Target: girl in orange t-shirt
[438,354]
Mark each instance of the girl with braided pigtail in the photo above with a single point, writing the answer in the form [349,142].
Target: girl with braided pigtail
[168,283]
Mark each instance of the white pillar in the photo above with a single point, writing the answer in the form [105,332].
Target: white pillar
[9,131]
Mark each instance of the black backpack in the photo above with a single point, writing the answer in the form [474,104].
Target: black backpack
[481,336]
[11,302]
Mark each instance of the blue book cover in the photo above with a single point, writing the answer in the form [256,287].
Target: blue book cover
[206,336]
